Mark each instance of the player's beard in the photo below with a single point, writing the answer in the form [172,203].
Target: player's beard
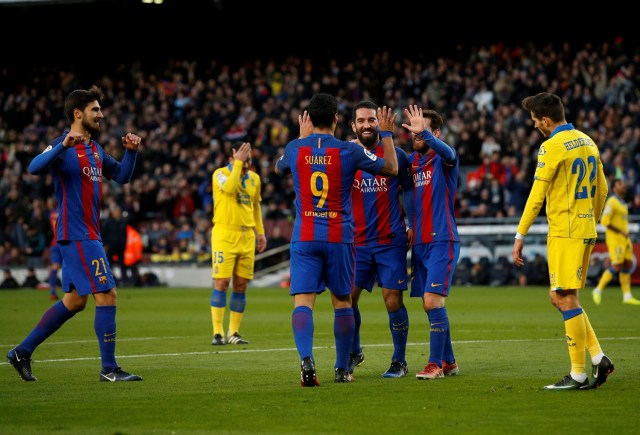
[90,128]
[423,148]
[368,141]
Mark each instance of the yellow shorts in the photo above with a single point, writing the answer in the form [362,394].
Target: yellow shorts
[568,262]
[620,249]
[233,251]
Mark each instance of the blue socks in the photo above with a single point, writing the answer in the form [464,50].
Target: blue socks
[53,281]
[344,326]
[218,299]
[399,326]
[50,322]
[302,325]
[356,348]
[104,325]
[238,302]
[439,327]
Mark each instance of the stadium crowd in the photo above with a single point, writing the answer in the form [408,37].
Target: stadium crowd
[189,113]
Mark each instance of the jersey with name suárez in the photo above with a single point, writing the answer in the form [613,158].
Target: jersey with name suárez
[323,170]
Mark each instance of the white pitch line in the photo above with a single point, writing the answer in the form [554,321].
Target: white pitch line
[284,349]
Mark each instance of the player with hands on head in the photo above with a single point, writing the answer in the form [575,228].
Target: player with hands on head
[238,232]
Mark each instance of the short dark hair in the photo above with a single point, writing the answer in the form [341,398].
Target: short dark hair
[322,110]
[545,104]
[364,104]
[436,119]
[619,179]
[80,99]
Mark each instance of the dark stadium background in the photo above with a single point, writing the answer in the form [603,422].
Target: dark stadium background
[34,32]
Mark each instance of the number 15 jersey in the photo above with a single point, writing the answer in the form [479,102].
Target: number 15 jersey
[570,162]
[323,169]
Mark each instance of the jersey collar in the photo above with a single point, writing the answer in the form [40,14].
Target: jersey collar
[563,127]
[245,177]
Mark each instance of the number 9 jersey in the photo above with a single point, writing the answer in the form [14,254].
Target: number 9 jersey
[570,162]
[323,169]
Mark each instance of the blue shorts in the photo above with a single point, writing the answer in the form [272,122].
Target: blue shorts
[316,266]
[55,254]
[432,267]
[386,264]
[85,267]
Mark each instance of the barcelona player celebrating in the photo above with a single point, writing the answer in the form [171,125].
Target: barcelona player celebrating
[78,164]
[381,238]
[436,246]
[322,251]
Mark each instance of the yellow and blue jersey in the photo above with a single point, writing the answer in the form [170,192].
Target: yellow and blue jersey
[236,198]
[615,214]
[569,161]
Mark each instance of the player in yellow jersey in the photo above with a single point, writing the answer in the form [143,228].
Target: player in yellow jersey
[615,220]
[570,177]
[237,234]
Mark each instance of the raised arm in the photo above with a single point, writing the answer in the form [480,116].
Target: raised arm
[124,169]
[416,125]
[42,161]
[239,158]
[386,121]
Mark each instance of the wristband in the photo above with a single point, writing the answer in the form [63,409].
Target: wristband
[519,236]
[383,134]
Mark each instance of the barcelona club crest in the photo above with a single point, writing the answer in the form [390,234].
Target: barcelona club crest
[97,157]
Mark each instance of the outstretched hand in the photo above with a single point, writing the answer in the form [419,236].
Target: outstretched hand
[415,119]
[386,119]
[131,141]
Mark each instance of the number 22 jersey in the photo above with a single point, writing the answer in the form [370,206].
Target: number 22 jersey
[570,161]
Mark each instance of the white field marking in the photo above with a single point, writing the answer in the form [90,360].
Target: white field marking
[284,349]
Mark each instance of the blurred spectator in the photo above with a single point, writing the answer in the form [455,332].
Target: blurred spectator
[132,257]
[31,280]
[190,116]
[114,239]
[538,271]
[36,244]
[8,280]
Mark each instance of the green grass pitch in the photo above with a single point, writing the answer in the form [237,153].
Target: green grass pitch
[509,342]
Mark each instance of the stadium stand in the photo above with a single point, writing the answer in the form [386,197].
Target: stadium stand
[189,112]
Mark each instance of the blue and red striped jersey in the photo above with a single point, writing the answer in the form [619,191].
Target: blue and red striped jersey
[377,210]
[323,169]
[77,178]
[435,183]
